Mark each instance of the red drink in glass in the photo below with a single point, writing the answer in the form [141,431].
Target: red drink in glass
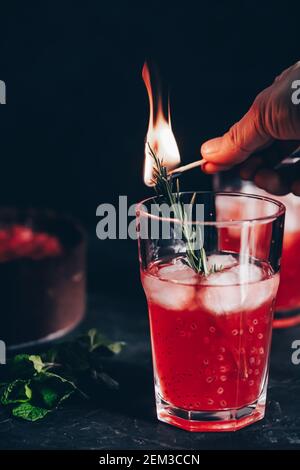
[209,354]
[288,298]
[211,327]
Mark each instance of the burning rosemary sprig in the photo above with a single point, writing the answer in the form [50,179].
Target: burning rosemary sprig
[163,184]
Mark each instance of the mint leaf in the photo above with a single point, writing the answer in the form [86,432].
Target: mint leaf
[31,386]
[50,396]
[37,362]
[97,340]
[71,356]
[17,391]
[29,412]
[22,366]
[116,347]
[52,389]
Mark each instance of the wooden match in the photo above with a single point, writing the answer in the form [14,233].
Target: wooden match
[187,167]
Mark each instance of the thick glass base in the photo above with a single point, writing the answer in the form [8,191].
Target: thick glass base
[211,421]
[285,319]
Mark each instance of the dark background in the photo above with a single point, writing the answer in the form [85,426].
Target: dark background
[72,132]
[73,129]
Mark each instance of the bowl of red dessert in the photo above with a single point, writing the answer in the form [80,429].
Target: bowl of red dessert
[42,276]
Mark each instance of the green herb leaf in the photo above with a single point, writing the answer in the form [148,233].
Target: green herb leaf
[29,412]
[50,396]
[43,382]
[22,366]
[96,340]
[116,347]
[37,362]
[196,258]
[17,391]
[52,389]
[71,356]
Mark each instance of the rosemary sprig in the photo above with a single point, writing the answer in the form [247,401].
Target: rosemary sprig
[163,185]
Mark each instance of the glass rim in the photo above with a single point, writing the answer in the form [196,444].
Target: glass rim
[219,223]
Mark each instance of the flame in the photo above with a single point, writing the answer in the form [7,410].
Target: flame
[159,135]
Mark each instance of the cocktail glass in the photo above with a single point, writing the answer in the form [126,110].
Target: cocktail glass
[287,309]
[211,334]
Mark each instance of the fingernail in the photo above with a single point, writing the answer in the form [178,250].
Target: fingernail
[212,146]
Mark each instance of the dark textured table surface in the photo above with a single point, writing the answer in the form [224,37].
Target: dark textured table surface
[127,419]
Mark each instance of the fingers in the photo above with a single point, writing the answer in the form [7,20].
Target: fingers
[281,181]
[211,168]
[271,181]
[267,158]
[272,116]
[250,167]
[263,168]
[244,138]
